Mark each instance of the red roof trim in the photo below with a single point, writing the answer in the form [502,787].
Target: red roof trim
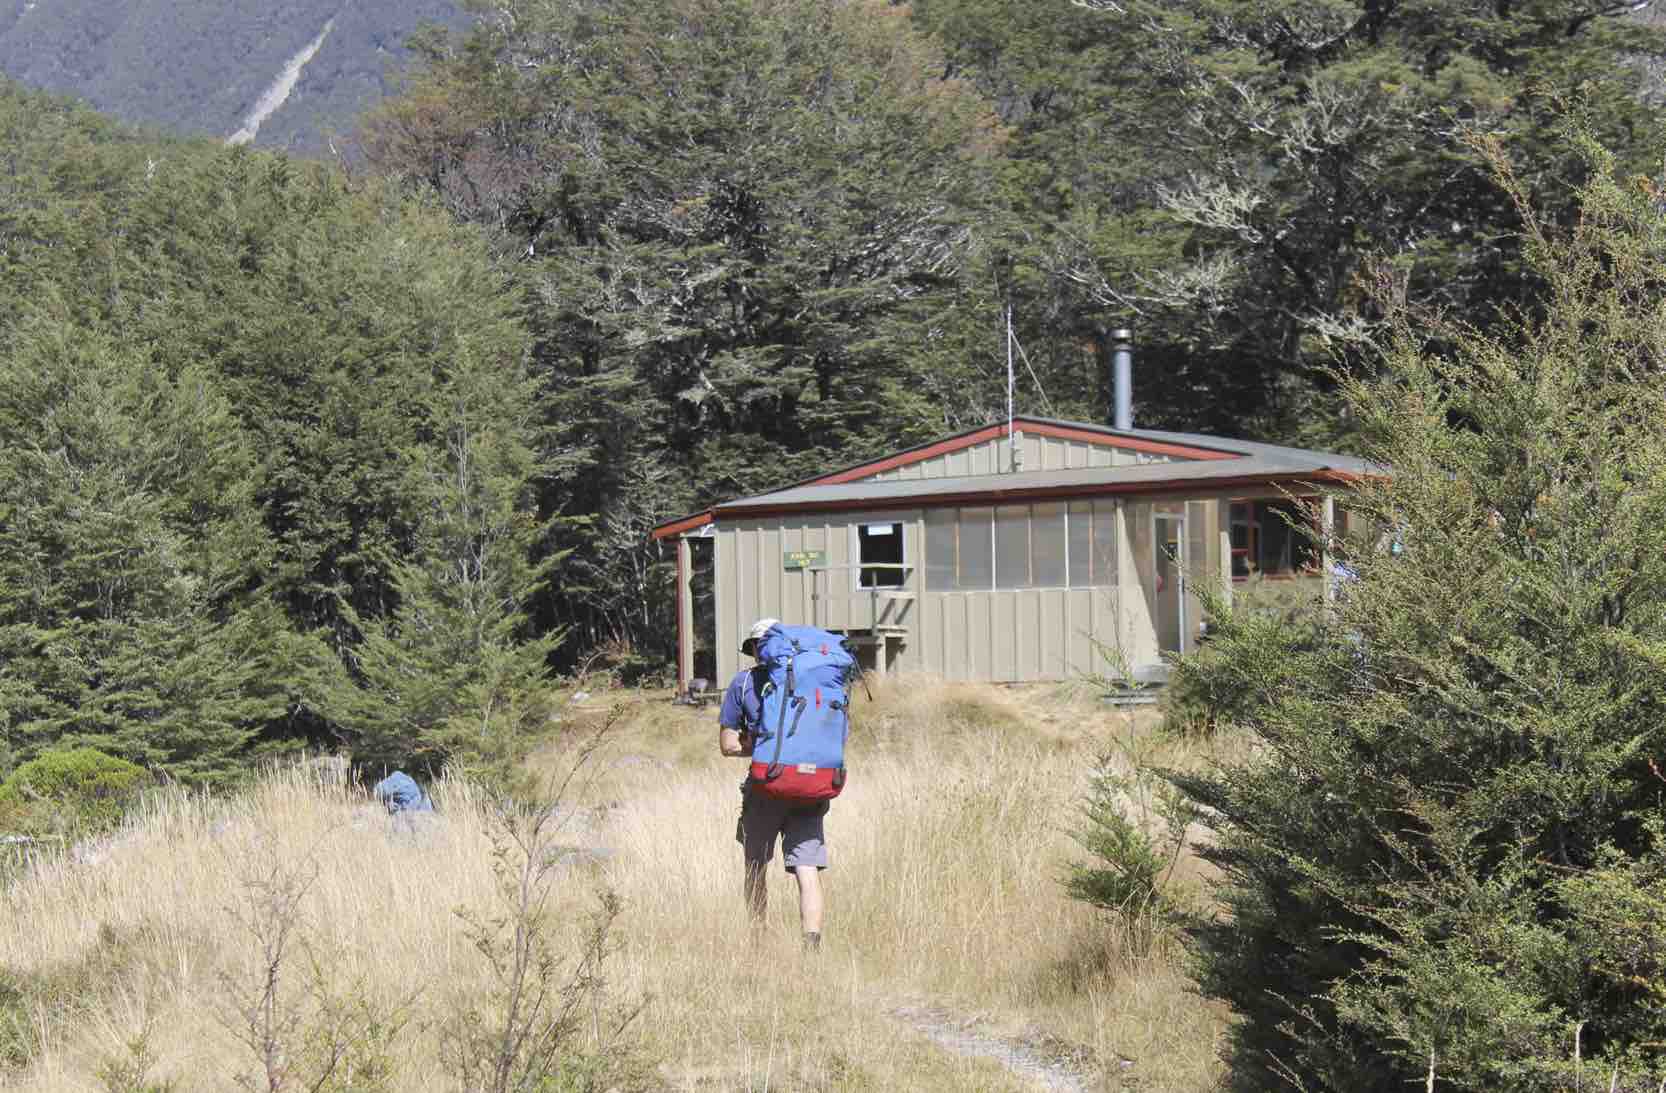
[1022,425]
[1040,493]
[915,455]
[687,523]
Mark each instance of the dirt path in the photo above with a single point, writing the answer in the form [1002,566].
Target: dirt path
[955,1035]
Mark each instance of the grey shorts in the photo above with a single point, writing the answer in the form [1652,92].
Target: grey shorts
[799,826]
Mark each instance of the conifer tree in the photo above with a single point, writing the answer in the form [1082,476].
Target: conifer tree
[336,318]
[246,365]
[453,673]
[1443,864]
[132,617]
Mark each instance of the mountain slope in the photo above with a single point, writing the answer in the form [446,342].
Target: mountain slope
[204,66]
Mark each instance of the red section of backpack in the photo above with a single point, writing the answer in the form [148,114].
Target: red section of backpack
[793,784]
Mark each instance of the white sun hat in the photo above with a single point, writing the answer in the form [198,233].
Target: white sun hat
[759,629]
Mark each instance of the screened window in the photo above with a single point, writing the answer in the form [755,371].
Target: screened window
[1048,545]
[1012,546]
[977,549]
[942,549]
[1080,544]
[1104,543]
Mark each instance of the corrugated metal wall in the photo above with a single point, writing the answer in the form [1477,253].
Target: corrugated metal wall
[1040,453]
[1051,453]
[986,458]
[1139,579]
[1003,634]
[1017,634]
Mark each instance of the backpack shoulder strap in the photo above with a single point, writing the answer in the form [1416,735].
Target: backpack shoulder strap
[781,722]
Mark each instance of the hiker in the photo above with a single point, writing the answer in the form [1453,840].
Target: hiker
[763,819]
[1342,576]
[398,792]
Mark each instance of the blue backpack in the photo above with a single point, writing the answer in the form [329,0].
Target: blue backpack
[798,752]
[399,792]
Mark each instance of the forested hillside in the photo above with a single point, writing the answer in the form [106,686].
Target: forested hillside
[201,67]
[604,264]
[731,242]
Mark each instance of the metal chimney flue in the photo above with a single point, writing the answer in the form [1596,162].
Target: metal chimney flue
[1122,380]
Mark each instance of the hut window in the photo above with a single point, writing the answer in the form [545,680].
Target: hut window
[1012,546]
[1092,536]
[1047,546]
[941,525]
[1030,546]
[879,550]
[1270,538]
[1050,545]
[1081,544]
[1104,543]
[959,550]
[977,548]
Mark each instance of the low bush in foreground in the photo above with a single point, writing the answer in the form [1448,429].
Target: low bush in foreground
[71,792]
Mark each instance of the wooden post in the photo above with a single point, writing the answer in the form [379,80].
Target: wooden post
[685,612]
[1327,529]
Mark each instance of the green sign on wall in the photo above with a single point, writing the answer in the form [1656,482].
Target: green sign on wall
[803,559]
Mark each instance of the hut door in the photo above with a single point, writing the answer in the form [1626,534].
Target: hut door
[1171,579]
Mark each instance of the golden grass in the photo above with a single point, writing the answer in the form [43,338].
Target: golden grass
[947,850]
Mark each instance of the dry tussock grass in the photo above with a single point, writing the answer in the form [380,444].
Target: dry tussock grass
[948,846]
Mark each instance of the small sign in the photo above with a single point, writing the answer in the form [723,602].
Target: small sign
[803,559]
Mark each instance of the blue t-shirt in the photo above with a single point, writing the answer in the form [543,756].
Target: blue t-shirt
[743,706]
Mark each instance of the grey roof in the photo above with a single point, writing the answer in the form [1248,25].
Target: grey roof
[1254,460]
[1267,461]
[1326,460]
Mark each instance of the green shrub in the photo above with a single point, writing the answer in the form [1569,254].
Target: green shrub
[1134,826]
[128,1070]
[77,789]
[1207,689]
[17,1026]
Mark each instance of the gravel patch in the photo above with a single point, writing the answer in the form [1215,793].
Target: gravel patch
[955,1034]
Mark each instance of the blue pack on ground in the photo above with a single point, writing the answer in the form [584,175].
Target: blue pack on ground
[798,753]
